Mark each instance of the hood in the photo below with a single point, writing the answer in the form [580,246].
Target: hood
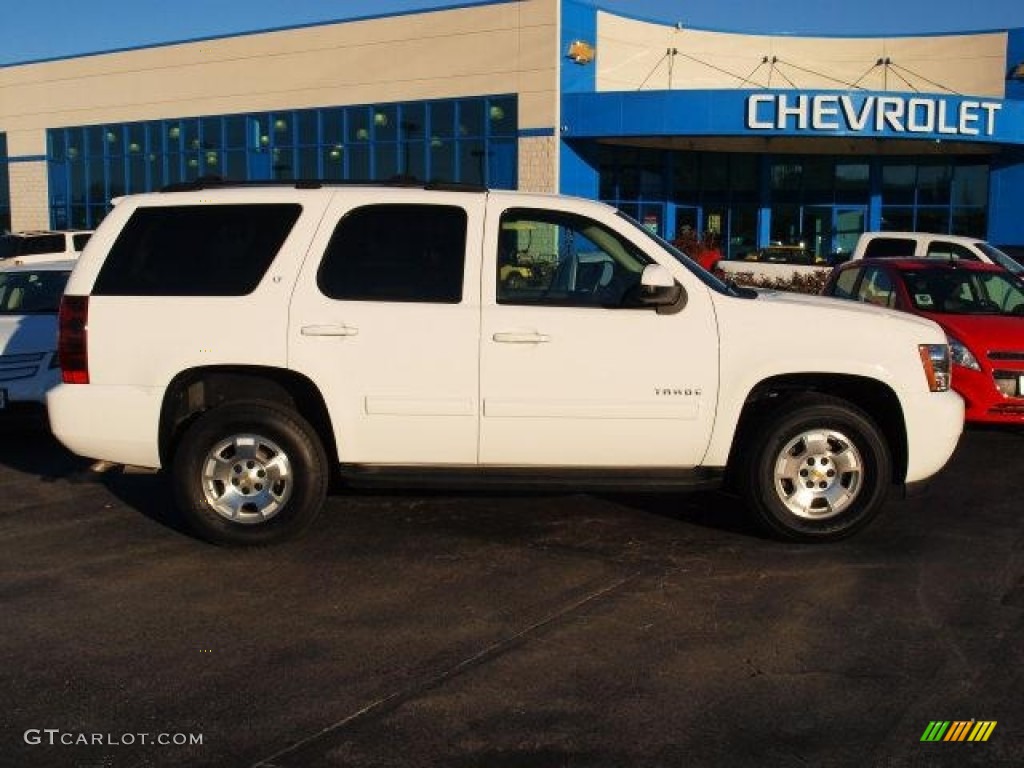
[854,310]
[984,333]
[24,334]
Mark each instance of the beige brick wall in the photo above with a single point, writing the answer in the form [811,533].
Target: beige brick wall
[29,188]
[509,47]
[538,164]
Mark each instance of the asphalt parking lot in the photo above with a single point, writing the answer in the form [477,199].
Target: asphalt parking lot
[506,631]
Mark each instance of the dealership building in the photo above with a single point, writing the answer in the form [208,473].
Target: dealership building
[745,139]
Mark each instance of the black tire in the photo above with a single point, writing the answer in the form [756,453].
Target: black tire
[816,469]
[249,474]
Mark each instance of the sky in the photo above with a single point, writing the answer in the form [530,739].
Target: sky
[44,29]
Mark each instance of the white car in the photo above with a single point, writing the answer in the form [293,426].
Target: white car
[926,245]
[29,301]
[259,340]
[37,246]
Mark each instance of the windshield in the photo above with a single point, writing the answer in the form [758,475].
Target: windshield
[702,274]
[1004,260]
[966,293]
[32,292]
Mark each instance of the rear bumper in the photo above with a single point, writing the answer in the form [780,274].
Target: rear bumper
[118,424]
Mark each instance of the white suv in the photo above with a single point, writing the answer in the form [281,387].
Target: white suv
[925,245]
[257,341]
[42,245]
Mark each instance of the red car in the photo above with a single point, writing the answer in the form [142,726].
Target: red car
[981,308]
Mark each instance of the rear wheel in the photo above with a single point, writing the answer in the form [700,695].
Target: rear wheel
[818,469]
[249,474]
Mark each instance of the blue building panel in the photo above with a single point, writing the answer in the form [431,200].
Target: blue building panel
[763,113]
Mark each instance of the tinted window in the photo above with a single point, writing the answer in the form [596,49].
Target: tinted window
[79,241]
[889,247]
[944,250]
[195,250]
[397,253]
[31,293]
[42,244]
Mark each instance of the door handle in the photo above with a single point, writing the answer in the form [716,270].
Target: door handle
[521,338]
[329,330]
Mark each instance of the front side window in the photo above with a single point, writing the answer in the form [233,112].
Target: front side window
[195,250]
[397,252]
[550,258]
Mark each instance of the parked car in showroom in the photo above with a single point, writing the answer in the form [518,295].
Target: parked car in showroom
[29,301]
[42,245]
[981,308]
[926,245]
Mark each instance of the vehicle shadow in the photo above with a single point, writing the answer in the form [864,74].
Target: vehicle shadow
[27,445]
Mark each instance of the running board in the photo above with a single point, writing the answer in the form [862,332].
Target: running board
[558,479]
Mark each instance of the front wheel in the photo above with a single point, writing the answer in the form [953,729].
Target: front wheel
[818,469]
[249,474]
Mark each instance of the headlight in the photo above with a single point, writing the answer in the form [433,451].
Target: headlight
[935,359]
[961,355]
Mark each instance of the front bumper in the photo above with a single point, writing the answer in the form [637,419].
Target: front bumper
[934,421]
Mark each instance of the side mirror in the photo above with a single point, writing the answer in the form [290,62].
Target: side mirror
[659,289]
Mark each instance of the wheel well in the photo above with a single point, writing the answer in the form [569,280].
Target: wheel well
[197,390]
[873,397]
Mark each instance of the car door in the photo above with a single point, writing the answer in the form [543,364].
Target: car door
[385,321]
[572,373]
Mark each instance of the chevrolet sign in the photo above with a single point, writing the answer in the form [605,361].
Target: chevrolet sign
[841,113]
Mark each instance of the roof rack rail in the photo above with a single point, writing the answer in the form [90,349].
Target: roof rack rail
[217,182]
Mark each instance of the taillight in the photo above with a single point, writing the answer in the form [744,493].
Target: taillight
[72,340]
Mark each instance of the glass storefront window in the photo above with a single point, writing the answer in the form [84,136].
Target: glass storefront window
[502,117]
[933,185]
[853,182]
[472,140]
[970,185]
[818,177]
[307,128]
[932,220]
[970,222]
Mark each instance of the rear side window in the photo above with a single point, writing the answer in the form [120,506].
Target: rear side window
[944,250]
[42,244]
[79,241]
[397,253]
[845,283]
[889,247]
[195,250]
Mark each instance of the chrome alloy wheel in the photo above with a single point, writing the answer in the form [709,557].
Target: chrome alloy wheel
[247,478]
[818,474]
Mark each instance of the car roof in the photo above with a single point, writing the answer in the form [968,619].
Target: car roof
[933,263]
[58,265]
[924,236]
